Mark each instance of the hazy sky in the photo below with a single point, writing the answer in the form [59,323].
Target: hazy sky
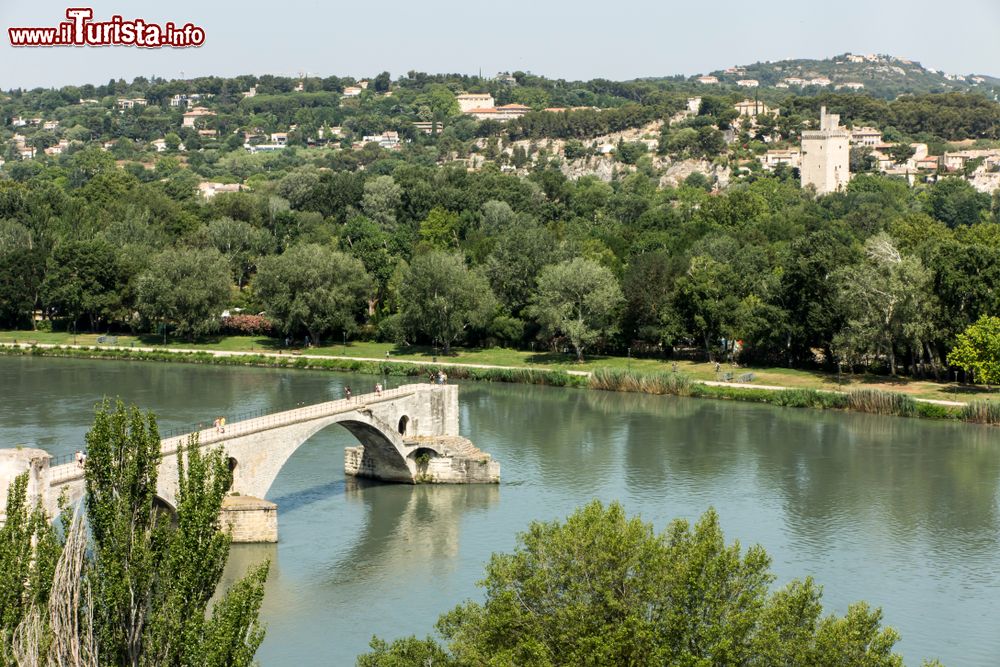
[618,39]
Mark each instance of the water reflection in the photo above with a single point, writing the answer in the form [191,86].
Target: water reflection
[406,525]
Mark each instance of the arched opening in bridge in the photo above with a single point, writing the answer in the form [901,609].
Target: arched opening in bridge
[404,421]
[422,457]
[382,454]
[232,471]
[164,511]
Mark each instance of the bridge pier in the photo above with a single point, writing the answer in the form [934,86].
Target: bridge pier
[250,520]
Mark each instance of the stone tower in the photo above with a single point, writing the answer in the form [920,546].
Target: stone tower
[826,155]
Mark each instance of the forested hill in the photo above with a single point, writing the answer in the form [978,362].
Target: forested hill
[882,75]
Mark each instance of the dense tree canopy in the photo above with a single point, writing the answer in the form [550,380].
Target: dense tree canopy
[311,288]
[441,298]
[185,289]
[704,253]
[977,350]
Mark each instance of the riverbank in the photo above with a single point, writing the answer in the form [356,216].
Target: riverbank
[868,400]
[771,376]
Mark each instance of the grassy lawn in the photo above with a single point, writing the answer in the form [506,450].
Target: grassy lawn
[786,377]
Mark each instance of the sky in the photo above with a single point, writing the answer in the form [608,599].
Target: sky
[584,39]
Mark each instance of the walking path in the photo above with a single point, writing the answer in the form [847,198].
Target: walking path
[280,355]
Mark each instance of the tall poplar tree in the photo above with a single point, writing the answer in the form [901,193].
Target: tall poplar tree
[152,578]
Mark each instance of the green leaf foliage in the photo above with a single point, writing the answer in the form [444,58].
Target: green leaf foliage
[29,550]
[605,589]
[977,350]
[153,577]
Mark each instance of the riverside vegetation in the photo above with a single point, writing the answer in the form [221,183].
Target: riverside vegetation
[607,379]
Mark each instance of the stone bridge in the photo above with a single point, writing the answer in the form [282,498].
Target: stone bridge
[408,434]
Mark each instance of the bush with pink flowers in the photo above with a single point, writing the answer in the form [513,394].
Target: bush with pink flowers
[248,325]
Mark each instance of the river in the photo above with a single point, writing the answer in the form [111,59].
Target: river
[902,513]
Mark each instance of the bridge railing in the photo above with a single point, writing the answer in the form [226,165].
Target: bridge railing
[64,467]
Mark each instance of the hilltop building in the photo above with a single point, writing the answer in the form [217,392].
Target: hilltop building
[501,113]
[866,136]
[826,155]
[754,108]
[469,101]
[190,117]
[785,156]
[126,103]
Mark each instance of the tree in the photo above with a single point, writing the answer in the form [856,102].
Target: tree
[151,580]
[314,289]
[172,141]
[186,289]
[21,272]
[382,82]
[363,239]
[29,550]
[84,278]
[647,287]
[440,228]
[603,589]
[977,350]
[901,152]
[122,585]
[579,299]
[514,264]
[955,202]
[240,243]
[704,300]
[406,652]
[630,152]
[441,298]
[382,197]
[711,141]
[886,300]
[861,160]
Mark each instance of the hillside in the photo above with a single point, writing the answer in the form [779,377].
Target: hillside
[882,76]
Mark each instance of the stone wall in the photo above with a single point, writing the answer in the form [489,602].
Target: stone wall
[249,519]
[14,462]
[459,469]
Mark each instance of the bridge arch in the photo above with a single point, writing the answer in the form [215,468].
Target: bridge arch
[258,460]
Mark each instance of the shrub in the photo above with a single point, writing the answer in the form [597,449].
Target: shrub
[935,411]
[809,398]
[247,325]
